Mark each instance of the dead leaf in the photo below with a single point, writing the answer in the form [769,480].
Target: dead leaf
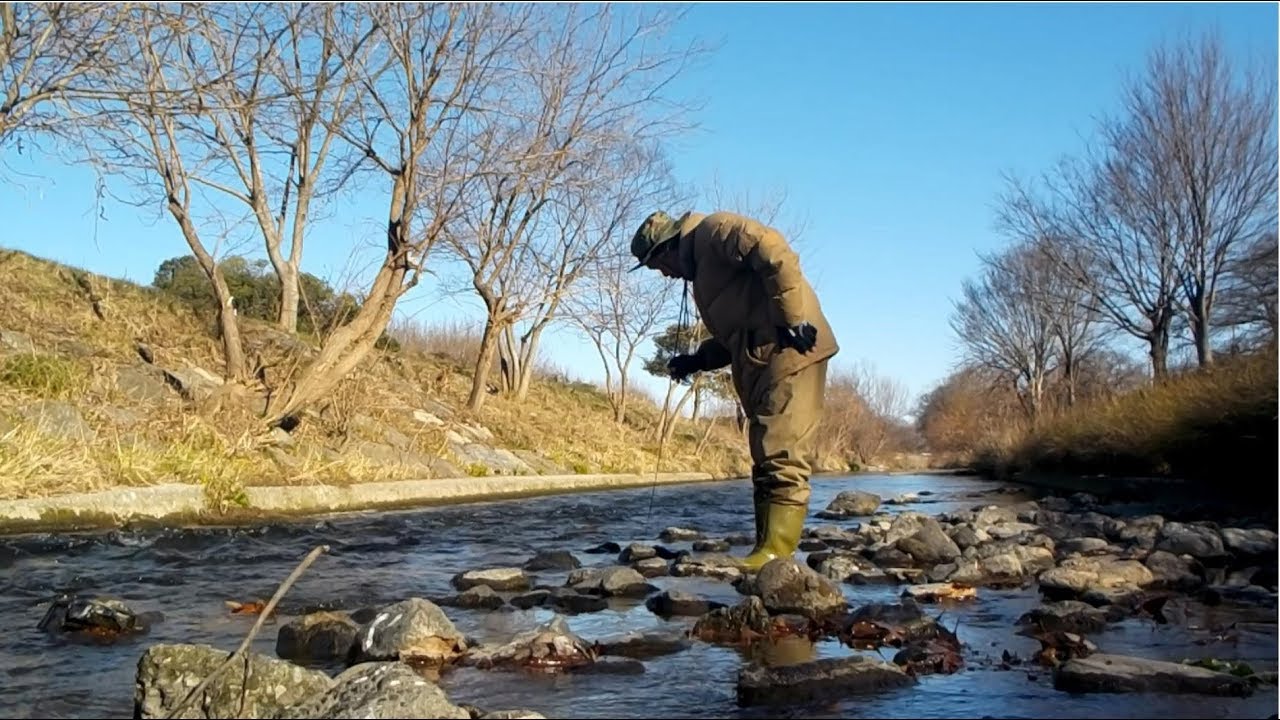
[249,608]
[938,592]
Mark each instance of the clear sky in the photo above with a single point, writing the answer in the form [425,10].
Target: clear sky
[888,125]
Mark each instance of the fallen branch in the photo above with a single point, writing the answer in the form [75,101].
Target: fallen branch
[244,646]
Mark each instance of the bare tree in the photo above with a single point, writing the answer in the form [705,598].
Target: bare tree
[1005,322]
[1071,307]
[1115,239]
[862,413]
[585,95]
[766,205]
[277,84]
[585,218]
[1197,149]
[433,71]
[134,127]
[617,311]
[50,53]
[1248,297]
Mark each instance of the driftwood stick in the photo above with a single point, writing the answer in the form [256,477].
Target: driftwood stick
[244,646]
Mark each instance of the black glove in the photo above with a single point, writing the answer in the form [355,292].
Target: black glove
[802,337]
[682,366]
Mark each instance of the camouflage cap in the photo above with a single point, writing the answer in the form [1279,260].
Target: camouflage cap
[656,230]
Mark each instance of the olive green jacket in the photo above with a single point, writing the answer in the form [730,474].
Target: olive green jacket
[747,284]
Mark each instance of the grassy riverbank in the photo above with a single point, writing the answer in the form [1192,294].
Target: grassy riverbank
[1215,428]
[107,384]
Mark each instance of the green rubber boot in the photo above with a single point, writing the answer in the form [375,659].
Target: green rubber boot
[762,507]
[782,527]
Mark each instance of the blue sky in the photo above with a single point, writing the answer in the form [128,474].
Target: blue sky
[888,125]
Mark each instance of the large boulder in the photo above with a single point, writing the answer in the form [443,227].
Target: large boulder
[167,673]
[413,629]
[785,586]
[380,690]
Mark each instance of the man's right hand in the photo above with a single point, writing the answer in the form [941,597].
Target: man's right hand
[682,366]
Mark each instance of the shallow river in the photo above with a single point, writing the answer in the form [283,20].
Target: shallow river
[381,558]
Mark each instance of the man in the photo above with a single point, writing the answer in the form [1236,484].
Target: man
[766,323]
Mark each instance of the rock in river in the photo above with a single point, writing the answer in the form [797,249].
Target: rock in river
[817,680]
[1066,616]
[610,582]
[552,560]
[166,673]
[644,646]
[496,578]
[1116,674]
[414,629]
[929,545]
[1249,543]
[679,534]
[851,503]
[1198,541]
[635,552]
[379,690]
[317,637]
[101,619]
[480,597]
[715,565]
[651,567]
[676,602]
[548,647]
[742,622]
[1078,576]
[786,586]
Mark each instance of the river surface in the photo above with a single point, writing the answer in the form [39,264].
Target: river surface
[380,558]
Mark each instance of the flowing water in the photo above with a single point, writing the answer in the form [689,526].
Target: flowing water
[380,558]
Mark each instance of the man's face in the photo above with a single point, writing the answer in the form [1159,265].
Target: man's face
[665,262]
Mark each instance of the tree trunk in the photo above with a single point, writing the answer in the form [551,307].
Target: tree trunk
[528,351]
[669,428]
[347,347]
[484,364]
[666,408]
[288,319]
[508,360]
[697,399]
[1159,354]
[620,408]
[228,326]
[706,436]
[1200,331]
[1070,371]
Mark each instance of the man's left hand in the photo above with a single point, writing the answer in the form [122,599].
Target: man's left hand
[802,337]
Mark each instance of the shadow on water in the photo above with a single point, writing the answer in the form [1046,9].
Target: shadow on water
[379,558]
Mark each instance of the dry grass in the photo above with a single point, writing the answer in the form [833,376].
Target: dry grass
[1218,424]
[84,327]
